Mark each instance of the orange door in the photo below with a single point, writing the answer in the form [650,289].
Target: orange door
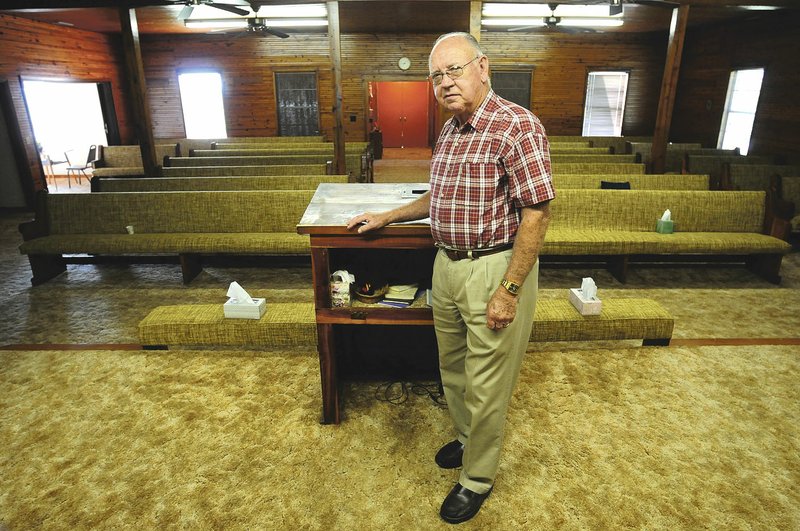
[403,113]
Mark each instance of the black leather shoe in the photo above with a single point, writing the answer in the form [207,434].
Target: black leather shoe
[449,456]
[462,504]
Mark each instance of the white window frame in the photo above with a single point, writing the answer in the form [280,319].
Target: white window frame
[203,112]
[739,114]
[605,120]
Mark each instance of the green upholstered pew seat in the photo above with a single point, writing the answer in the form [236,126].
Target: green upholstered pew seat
[294,324]
[620,223]
[187,224]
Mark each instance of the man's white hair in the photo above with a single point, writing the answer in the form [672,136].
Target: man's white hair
[472,41]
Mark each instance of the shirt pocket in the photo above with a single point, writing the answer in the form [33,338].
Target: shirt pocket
[477,185]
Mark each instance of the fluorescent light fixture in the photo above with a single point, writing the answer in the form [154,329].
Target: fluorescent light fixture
[584,22]
[205,12]
[590,22]
[543,10]
[593,11]
[296,22]
[216,23]
[294,11]
[515,10]
[538,21]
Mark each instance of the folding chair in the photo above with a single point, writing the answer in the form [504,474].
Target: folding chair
[73,169]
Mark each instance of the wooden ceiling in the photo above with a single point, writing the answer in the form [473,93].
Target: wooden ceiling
[363,16]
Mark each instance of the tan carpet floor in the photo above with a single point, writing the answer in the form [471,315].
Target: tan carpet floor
[643,438]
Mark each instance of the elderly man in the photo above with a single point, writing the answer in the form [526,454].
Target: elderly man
[488,204]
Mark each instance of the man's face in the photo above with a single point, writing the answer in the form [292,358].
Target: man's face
[462,95]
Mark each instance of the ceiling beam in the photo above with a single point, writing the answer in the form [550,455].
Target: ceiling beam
[336,65]
[134,69]
[62,4]
[669,88]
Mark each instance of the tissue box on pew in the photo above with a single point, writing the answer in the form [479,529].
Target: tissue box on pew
[585,306]
[244,310]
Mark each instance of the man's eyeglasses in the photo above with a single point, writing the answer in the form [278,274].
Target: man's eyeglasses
[453,72]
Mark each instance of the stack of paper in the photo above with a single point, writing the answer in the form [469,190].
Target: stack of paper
[401,293]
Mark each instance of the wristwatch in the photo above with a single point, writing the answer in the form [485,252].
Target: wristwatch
[511,287]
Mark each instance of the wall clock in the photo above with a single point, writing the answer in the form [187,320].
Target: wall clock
[404,63]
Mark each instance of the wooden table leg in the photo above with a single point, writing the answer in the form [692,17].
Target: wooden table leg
[328,375]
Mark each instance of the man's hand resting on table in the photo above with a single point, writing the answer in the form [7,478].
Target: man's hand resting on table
[369,221]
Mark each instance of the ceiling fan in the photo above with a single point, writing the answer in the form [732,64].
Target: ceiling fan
[230,6]
[256,26]
[552,22]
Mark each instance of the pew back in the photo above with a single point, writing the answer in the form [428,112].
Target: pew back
[637,182]
[165,184]
[233,171]
[177,212]
[638,210]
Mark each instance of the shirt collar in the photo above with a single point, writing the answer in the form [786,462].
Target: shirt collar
[480,118]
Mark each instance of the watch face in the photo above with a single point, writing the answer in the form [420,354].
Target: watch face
[510,286]
[404,63]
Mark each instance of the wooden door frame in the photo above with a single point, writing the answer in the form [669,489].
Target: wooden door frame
[18,146]
[395,78]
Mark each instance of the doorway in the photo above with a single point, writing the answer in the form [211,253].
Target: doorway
[403,113]
[67,118]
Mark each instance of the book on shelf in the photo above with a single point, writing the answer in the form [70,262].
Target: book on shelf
[401,293]
[394,304]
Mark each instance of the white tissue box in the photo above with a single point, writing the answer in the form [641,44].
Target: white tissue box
[585,306]
[238,310]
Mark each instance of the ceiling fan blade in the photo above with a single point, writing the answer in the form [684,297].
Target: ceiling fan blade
[666,4]
[230,9]
[575,29]
[524,28]
[277,33]
[185,13]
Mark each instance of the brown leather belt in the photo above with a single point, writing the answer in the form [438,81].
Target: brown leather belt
[453,254]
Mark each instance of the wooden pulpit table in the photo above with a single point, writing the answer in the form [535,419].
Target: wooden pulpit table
[334,247]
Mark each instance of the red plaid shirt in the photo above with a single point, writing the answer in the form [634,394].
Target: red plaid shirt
[484,171]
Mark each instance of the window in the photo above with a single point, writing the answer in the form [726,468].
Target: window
[605,103]
[513,86]
[744,88]
[201,99]
[298,112]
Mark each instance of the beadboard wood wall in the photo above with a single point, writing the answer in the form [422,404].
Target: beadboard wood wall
[248,63]
[709,57]
[560,63]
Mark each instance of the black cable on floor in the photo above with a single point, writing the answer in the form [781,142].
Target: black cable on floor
[398,392]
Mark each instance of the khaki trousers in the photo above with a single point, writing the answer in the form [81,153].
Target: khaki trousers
[479,366]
